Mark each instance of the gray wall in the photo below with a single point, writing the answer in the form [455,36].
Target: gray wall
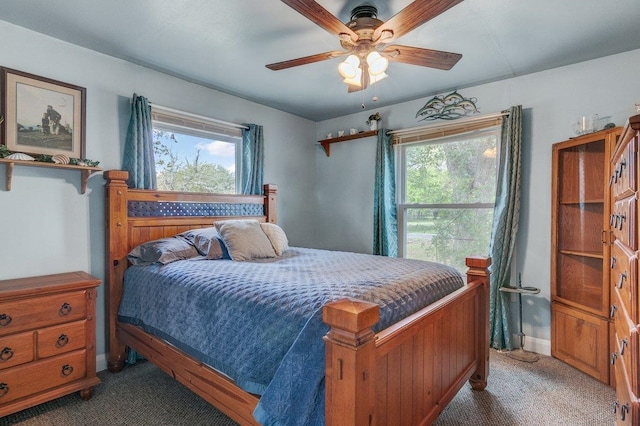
[551,101]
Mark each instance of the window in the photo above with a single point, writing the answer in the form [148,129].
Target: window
[446,190]
[195,154]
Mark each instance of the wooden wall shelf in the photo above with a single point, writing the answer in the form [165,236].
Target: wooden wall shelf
[326,143]
[86,171]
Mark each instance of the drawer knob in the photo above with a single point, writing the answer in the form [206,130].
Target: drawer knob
[62,341]
[67,370]
[624,409]
[623,276]
[65,309]
[6,354]
[623,344]
[4,389]
[4,320]
[622,219]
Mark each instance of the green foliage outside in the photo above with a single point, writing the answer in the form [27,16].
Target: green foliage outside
[188,174]
[447,174]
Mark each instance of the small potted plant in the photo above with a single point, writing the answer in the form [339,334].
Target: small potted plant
[373,121]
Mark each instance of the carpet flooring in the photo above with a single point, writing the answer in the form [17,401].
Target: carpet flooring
[547,392]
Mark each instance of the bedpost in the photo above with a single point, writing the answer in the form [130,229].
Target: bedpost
[479,271]
[271,204]
[350,362]
[116,241]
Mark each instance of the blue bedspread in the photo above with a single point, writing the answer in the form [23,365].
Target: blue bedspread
[260,322]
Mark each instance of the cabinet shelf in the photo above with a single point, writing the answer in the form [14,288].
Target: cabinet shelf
[326,143]
[594,255]
[86,171]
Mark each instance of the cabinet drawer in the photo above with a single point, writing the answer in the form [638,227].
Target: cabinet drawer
[62,338]
[23,314]
[622,221]
[626,348]
[623,174]
[16,349]
[581,340]
[625,406]
[624,267]
[26,380]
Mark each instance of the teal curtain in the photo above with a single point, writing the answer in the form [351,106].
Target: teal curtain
[385,220]
[505,227]
[138,148]
[252,159]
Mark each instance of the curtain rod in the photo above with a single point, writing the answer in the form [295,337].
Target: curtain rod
[196,116]
[446,125]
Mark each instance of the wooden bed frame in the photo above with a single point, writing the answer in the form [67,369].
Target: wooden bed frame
[404,375]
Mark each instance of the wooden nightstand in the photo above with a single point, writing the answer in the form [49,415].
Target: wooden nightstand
[47,339]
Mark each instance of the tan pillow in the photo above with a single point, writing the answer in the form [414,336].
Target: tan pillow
[245,239]
[277,237]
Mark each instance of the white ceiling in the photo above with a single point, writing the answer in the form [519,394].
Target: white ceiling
[225,44]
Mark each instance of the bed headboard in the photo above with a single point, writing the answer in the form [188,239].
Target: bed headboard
[134,216]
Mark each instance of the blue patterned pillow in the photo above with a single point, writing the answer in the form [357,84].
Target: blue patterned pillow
[164,250]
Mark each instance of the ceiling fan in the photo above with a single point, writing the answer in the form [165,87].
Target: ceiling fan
[365,40]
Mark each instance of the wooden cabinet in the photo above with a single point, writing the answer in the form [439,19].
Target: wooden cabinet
[47,339]
[623,273]
[580,244]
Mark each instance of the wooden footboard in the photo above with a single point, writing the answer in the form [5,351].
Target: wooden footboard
[404,375]
[408,373]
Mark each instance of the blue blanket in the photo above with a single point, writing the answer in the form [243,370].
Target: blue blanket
[260,322]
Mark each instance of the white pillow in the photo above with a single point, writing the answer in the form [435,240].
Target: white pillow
[245,239]
[277,237]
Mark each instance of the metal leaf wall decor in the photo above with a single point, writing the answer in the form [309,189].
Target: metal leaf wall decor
[448,107]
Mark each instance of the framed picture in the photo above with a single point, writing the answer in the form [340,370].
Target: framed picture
[42,116]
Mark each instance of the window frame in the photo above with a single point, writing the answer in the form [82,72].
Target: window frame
[491,128]
[180,122]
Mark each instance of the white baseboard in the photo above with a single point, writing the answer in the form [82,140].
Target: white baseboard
[101,362]
[533,344]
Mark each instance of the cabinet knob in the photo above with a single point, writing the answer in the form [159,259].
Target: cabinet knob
[67,370]
[614,356]
[613,262]
[4,389]
[613,310]
[4,320]
[615,406]
[65,309]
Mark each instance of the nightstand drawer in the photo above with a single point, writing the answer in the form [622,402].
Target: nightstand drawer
[16,349]
[62,338]
[23,314]
[26,380]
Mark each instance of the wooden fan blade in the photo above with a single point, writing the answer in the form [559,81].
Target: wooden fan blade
[352,89]
[322,17]
[306,60]
[422,57]
[412,16]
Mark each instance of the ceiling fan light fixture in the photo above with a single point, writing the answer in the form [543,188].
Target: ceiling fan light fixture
[374,78]
[349,67]
[377,63]
[356,80]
